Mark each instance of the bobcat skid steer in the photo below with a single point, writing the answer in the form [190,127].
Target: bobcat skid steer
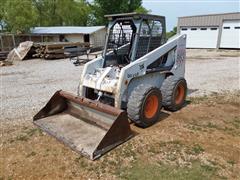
[138,73]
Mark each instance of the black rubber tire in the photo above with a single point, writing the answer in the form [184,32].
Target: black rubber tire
[169,91]
[137,102]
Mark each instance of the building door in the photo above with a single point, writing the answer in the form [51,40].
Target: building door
[201,37]
[230,34]
[86,38]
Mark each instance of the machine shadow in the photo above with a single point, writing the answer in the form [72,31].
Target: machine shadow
[164,113]
[163,116]
[190,91]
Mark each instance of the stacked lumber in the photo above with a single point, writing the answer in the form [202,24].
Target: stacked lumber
[55,50]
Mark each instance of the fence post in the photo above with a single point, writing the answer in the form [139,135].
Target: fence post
[13,38]
[1,43]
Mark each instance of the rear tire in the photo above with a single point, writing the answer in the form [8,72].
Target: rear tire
[174,91]
[144,105]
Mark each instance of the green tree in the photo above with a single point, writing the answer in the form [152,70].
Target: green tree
[172,32]
[47,12]
[143,10]
[19,15]
[72,12]
[62,12]
[103,7]
[2,11]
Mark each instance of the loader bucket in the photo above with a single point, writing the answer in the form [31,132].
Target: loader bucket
[88,127]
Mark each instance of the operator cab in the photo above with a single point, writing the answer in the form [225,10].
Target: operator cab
[131,36]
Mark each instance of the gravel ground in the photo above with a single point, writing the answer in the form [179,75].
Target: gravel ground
[215,75]
[27,86]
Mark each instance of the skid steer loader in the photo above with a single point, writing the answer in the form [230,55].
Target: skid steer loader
[138,73]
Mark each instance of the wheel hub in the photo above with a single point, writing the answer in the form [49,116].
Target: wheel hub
[179,94]
[151,106]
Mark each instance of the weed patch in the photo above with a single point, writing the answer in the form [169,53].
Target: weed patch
[22,137]
[27,134]
[197,149]
[31,154]
[219,98]
[232,162]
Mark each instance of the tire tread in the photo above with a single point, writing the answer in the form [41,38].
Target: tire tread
[135,102]
[167,92]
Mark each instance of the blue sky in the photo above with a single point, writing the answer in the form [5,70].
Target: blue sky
[172,9]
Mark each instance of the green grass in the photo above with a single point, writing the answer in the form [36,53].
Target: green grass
[31,154]
[197,100]
[27,134]
[167,169]
[232,98]
[158,147]
[231,127]
[232,162]
[235,122]
[31,132]
[22,137]
[142,171]
[211,125]
[8,178]
[197,149]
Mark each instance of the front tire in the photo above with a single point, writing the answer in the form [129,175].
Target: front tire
[144,105]
[174,92]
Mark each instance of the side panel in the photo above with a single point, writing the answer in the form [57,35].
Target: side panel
[180,57]
[139,67]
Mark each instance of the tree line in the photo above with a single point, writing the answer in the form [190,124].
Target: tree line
[19,16]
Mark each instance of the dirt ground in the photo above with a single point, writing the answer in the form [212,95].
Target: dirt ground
[201,141]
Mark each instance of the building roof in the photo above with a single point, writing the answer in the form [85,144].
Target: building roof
[207,20]
[216,14]
[66,29]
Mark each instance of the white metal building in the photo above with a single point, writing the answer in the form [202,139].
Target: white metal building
[95,35]
[211,31]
